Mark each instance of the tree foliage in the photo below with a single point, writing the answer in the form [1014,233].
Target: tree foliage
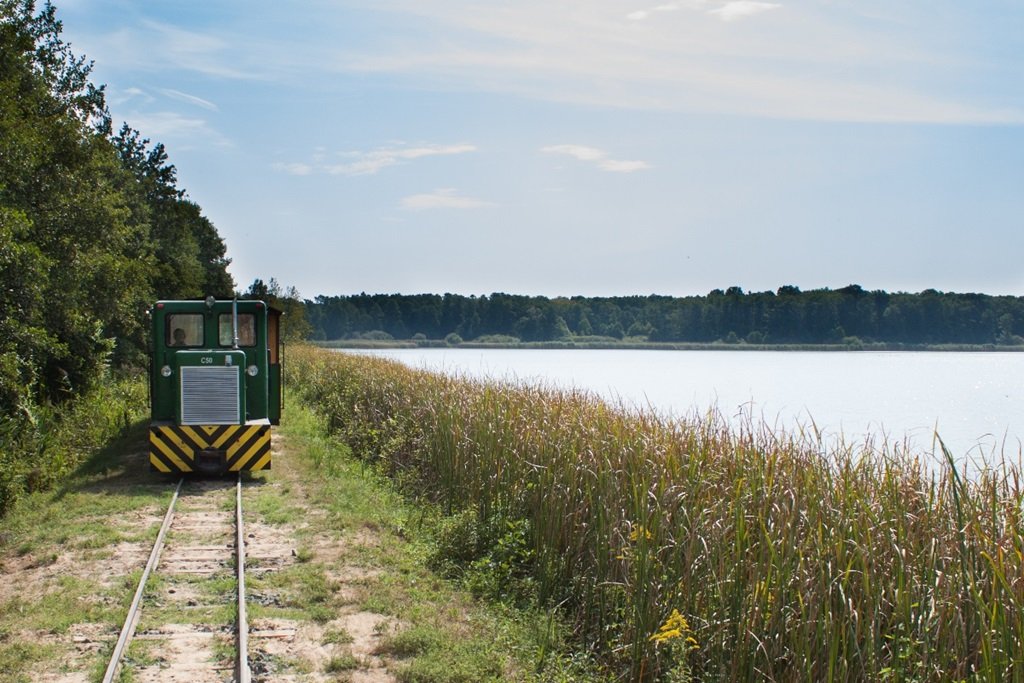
[295,327]
[92,225]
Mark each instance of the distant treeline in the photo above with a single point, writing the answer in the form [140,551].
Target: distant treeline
[851,315]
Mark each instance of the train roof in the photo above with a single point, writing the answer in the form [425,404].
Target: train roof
[194,303]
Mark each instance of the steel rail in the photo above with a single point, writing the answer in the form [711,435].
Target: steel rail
[244,672]
[131,621]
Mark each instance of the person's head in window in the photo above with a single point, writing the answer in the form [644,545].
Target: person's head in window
[178,337]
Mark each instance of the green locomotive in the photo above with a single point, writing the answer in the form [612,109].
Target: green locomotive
[215,385]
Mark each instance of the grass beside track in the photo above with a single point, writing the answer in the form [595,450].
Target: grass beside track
[59,555]
[438,633]
[688,549]
[71,558]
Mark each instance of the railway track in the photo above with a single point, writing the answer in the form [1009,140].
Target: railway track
[189,608]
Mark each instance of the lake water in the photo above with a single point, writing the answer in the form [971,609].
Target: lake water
[972,400]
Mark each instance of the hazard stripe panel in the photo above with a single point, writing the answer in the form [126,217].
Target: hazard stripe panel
[173,448]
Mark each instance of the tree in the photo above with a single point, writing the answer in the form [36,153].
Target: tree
[189,254]
[61,180]
[23,338]
[92,226]
[1005,326]
[584,328]
[294,326]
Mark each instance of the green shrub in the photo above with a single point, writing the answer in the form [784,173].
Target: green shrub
[373,335]
[42,445]
[501,339]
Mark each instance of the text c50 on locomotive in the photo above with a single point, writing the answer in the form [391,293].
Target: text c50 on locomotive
[215,385]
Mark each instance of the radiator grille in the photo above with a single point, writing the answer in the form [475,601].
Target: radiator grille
[209,395]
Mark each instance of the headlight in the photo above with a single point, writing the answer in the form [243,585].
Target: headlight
[252,370]
[166,371]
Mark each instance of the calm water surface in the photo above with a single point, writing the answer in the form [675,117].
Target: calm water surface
[973,400]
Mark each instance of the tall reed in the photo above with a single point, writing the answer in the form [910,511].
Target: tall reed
[694,549]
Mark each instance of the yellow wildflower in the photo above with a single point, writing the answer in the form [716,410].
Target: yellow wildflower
[639,531]
[674,627]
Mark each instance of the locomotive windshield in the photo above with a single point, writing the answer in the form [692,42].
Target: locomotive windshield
[246,329]
[184,329]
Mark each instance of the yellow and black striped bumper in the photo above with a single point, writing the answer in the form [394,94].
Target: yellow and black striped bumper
[174,448]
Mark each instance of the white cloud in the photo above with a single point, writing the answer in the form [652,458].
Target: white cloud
[739,9]
[623,166]
[373,161]
[155,46]
[670,7]
[116,97]
[203,52]
[295,168]
[417,152]
[190,99]
[597,156]
[581,152]
[740,57]
[365,166]
[445,198]
[173,129]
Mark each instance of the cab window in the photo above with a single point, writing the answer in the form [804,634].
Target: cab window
[246,329]
[184,329]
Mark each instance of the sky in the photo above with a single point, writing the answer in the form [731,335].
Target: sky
[584,147]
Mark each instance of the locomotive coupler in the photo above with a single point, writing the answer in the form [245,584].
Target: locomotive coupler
[211,461]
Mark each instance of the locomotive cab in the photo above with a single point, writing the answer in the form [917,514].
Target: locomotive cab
[215,385]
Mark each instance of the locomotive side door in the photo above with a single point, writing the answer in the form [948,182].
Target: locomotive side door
[274,399]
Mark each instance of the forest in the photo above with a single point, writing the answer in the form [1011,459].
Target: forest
[93,226]
[851,316]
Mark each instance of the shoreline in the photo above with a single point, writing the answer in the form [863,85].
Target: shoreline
[660,346]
